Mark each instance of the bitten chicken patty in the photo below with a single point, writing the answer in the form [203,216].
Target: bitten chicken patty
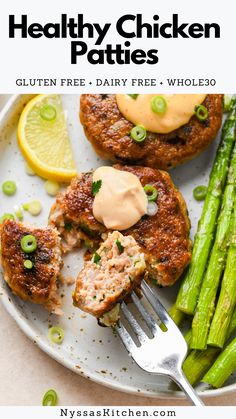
[163,237]
[115,269]
[40,283]
[109,132]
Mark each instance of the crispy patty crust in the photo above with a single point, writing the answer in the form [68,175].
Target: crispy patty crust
[39,284]
[108,131]
[163,238]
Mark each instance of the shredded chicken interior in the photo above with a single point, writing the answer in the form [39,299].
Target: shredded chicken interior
[115,269]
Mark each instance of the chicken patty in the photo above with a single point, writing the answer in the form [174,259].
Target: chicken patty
[38,284]
[115,269]
[109,132]
[163,237]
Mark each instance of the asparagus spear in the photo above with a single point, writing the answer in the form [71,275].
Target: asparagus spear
[227,298]
[190,287]
[198,362]
[222,367]
[206,303]
[188,337]
[176,315]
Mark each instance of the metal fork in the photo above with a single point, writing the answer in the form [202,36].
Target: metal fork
[164,351]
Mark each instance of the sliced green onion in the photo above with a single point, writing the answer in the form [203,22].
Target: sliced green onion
[51,187]
[50,398]
[29,170]
[28,243]
[158,104]
[120,246]
[227,102]
[152,208]
[138,133]
[201,112]
[134,96]
[96,258]
[56,334]
[48,113]
[9,187]
[28,264]
[34,207]
[151,192]
[200,192]
[18,211]
[6,217]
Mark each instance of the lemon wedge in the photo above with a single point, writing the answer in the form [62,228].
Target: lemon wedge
[43,138]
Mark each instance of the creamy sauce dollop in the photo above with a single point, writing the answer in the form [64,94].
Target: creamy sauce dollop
[121,200]
[180,108]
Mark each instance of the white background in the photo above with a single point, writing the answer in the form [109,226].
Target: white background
[178,58]
[180,412]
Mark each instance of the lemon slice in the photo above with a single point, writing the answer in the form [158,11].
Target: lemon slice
[44,140]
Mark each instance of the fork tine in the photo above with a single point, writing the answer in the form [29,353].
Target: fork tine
[170,357]
[141,335]
[149,320]
[157,305]
[125,337]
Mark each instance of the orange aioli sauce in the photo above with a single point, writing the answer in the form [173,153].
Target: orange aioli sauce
[180,108]
[121,200]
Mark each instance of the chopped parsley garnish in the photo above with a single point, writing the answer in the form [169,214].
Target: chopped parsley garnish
[153,281]
[96,187]
[119,245]
[68,226]
[96,258]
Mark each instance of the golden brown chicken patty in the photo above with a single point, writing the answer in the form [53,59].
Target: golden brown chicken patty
[40,283]
[163,238]
[109,132]
[115,269]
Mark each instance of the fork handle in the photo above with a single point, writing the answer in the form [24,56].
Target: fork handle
[182,382]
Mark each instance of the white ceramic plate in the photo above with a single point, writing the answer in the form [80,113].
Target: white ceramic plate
[89,350]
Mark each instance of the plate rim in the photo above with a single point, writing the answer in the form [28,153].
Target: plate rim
[11,308]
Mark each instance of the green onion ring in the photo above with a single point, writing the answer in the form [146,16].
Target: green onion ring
[6,217]
[151,192]
[56,334]
[18,211]
[152,208]
[200,192]
[201,112]
[28,264]
[158,104]
[51,187]
[34,207]
[9,187]
[28,243]
[138,133]
[50,398]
